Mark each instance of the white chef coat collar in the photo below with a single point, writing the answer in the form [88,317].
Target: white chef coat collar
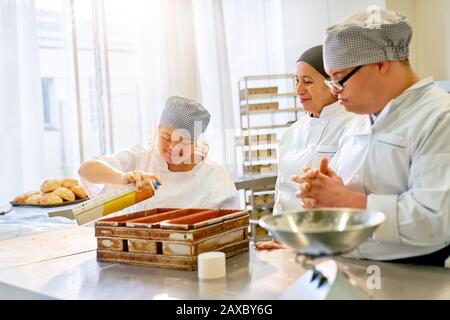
[374,118]
[329,110]
[397,100]
[418,85]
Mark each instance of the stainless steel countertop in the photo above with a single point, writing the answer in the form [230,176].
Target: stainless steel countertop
[255,275]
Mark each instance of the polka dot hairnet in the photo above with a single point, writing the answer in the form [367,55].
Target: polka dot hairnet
[367,37]
[183,113]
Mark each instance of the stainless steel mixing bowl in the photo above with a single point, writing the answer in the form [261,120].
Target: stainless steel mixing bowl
[323,232]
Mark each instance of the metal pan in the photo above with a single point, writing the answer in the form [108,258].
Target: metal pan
[323,232]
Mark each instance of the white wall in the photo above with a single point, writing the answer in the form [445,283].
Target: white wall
[305,22]
[430,48]
[339,9]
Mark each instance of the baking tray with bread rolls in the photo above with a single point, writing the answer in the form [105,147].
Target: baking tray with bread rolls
[171,238]
[53,193]
[68,203]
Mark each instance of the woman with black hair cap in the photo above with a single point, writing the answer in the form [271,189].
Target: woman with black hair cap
[313,137]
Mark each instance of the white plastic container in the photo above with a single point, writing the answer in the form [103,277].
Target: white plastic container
[211,265]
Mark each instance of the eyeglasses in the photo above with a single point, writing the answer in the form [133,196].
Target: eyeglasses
[339,85]
[181,139]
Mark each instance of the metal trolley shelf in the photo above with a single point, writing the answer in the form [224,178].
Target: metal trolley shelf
[268,106]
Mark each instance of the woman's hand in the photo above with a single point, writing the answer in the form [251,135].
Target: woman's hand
[141,179]
[269,245]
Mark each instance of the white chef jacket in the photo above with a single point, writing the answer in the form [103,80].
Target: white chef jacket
[402,162]
[207,185]
[306,143]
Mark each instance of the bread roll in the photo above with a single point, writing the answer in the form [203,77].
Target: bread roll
[23,197]
[79,192]
[65,194]
[69,183]
[50,185]
[50,198]
[34,199]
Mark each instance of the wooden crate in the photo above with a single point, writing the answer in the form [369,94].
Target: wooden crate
[171,238]
[261,154]
[259,213]
[269,138]
[260,106]
[264,200]
[261,168]
[256,91]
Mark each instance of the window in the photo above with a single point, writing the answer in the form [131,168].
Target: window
[60,133]
[106,74]
[48,103]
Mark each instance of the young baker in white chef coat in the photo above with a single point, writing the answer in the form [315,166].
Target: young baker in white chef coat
[399,161]
[188,179]
[313,137]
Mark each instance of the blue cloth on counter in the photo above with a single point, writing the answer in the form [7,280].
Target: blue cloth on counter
[28,221]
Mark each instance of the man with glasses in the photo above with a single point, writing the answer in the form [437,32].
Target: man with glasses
[398,162]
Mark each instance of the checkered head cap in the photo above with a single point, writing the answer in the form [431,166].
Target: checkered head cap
[186,114]
[367,37]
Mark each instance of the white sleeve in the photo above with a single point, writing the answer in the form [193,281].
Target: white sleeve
[126,160]
[276,205]
[421,215]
